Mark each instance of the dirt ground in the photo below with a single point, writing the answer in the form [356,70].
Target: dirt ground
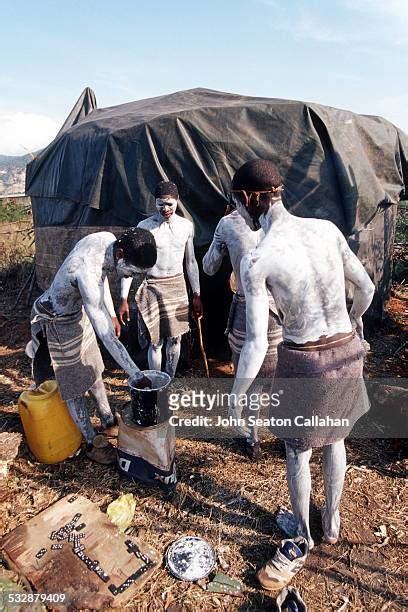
[229,500]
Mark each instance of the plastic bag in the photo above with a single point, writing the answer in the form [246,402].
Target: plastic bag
[121,511]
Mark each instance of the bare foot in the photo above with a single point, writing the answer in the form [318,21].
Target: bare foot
[330,540]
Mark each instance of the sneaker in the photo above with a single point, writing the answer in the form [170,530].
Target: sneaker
[102,451]
[287,561]
[287,523]
[289,600]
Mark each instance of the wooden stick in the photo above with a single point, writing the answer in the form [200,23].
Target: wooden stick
[30,290]
[22,289]
[200,336]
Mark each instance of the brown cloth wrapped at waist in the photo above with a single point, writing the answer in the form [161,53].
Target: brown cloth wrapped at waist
[322,343]
[72,347]
[236,330]
[320,382]
[163,308]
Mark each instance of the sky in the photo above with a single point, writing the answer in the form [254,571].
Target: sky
[350,54]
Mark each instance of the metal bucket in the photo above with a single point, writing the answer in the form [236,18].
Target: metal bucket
[145,402]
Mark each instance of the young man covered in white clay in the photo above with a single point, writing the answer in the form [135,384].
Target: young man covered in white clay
[162,298]
[232,236]
[64,318]
[304,264]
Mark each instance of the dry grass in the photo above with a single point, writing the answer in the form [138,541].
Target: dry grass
[230,501]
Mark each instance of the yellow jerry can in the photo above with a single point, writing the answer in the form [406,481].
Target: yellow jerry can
[49,429]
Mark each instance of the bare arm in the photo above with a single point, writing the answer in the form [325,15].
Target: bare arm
[191,265]
[107,298]
[364,287]
[213,258]
[124,313]
[93,300]
[125,285]
[110,307]
[257,321]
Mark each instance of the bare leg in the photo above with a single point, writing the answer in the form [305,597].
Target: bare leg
[80,415]
[173,346]
[300,484]
[253,436]
[104,410]
[334,470]
[154,356]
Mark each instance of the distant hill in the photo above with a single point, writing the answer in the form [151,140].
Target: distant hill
[12,174]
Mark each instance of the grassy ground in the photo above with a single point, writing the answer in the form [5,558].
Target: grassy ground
[16,240]
[14,209]
[227,499]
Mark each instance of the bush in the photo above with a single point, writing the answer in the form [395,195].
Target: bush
[15,209]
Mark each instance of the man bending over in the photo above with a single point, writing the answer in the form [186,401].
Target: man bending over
[64,318]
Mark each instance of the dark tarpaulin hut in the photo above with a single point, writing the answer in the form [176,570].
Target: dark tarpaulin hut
[101,170]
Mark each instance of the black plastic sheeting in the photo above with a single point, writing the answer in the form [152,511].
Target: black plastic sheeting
[336,165]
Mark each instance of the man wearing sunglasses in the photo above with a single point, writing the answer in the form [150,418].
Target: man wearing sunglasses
[233,237]
[162,298]
[304,263]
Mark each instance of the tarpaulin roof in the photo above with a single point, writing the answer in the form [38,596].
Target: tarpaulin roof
[335,164]
[102,168]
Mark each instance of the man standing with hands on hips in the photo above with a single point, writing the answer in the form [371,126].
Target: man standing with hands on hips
[162,298]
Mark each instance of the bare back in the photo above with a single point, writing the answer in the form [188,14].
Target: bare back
[302,263]
[83,264]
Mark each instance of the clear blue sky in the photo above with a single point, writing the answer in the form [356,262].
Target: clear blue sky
[346,53]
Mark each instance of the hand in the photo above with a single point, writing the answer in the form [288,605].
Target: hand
[357,325]
[197,306]
[124,316]
[116,326]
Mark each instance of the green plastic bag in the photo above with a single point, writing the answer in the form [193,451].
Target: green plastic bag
[121,511]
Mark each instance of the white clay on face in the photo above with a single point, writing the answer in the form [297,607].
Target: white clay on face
[246,216]
[125,269]
[166,206]
[174,243]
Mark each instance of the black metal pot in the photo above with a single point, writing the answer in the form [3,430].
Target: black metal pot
[146,402]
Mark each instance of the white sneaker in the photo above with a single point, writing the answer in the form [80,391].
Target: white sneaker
[287,561]
[290,600]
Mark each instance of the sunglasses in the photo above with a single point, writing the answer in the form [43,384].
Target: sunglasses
[241,196]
